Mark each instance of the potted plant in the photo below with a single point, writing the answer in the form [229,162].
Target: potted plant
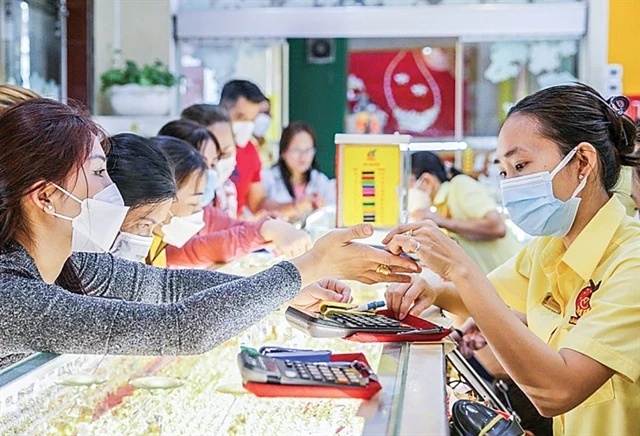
[140,91]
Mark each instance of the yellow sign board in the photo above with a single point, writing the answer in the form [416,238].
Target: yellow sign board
[370,177]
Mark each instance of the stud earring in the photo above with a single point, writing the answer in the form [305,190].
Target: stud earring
[580,176]
[50,207]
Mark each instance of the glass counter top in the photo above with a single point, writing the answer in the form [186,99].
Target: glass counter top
[203,394]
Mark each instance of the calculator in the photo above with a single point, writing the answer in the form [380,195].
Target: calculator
[257,368]
[343,324]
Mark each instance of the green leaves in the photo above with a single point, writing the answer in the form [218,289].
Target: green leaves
[149,75]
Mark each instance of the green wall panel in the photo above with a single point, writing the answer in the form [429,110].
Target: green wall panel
[317,96]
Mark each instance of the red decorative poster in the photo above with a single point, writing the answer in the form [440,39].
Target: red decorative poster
[402,91]
[634,107]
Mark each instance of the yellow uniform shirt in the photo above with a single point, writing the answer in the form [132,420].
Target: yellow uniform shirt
[465,199]
[623,190]
[157,254]
[587,298]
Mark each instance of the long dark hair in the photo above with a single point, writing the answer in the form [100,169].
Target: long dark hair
[182,156]
[41,141]
[428,162]
[571,114]
[140,170]
[285,141]
[190,131]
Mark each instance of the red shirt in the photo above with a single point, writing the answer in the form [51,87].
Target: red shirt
[248,167]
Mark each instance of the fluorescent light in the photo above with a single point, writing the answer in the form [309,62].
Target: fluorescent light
[438,146]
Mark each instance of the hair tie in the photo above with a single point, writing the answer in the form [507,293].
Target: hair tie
[619,103]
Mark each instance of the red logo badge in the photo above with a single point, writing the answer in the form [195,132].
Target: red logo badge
[583,301]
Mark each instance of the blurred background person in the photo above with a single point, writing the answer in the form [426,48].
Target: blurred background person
[295,182]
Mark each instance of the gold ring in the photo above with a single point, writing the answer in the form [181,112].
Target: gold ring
[418,245]
[383,269]
[409,233]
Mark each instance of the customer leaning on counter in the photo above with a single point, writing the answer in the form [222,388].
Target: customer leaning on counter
[578,355]
[57,202]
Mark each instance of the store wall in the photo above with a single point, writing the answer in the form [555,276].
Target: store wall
[624,42]
[317,96]
[145,36]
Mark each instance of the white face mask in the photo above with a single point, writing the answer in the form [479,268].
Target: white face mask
[182,228]
[99,221]
[132,247]
[261,125]
[242,130]
[225,168]
[418,200]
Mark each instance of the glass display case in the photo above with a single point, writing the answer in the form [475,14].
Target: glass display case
[198,395]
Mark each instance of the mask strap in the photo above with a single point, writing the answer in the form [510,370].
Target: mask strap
[68,193]
[563,163]
[57,215]
[580,187]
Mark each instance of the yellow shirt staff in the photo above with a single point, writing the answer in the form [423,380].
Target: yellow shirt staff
[577,357]
[464,208]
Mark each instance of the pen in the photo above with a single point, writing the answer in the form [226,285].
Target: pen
[370,306]
[423,331]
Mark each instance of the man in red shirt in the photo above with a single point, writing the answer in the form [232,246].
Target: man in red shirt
[242,99]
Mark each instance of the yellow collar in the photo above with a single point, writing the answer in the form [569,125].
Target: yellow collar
[594,239]
[442,194]
[585,253]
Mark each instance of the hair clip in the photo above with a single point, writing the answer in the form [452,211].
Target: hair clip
[619,103]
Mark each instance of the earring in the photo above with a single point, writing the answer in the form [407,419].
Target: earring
[580,176]
[50,207]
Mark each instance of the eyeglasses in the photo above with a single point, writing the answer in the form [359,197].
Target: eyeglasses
[303,153]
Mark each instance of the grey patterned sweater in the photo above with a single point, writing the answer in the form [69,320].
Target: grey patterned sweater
[131,308]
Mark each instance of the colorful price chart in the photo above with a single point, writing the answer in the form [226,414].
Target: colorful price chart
[370,179]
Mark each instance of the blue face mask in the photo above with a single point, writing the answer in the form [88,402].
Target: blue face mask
[210,188]
[533,207]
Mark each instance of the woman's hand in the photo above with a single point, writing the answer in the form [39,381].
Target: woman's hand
[336,255]
[288,240]
[324,290]
[410,298]
[435,249]
[317,201]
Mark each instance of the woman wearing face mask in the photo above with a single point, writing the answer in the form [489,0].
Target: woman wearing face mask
[146,181]
[217,121]
[223,239]
[295,182]
[206,143]
[56,197]
[578,356]
[464,207]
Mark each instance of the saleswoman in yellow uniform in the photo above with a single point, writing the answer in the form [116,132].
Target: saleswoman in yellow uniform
[578,356]
[464,207]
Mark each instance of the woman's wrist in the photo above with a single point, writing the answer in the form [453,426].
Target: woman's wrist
[266,229]
[307,265]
